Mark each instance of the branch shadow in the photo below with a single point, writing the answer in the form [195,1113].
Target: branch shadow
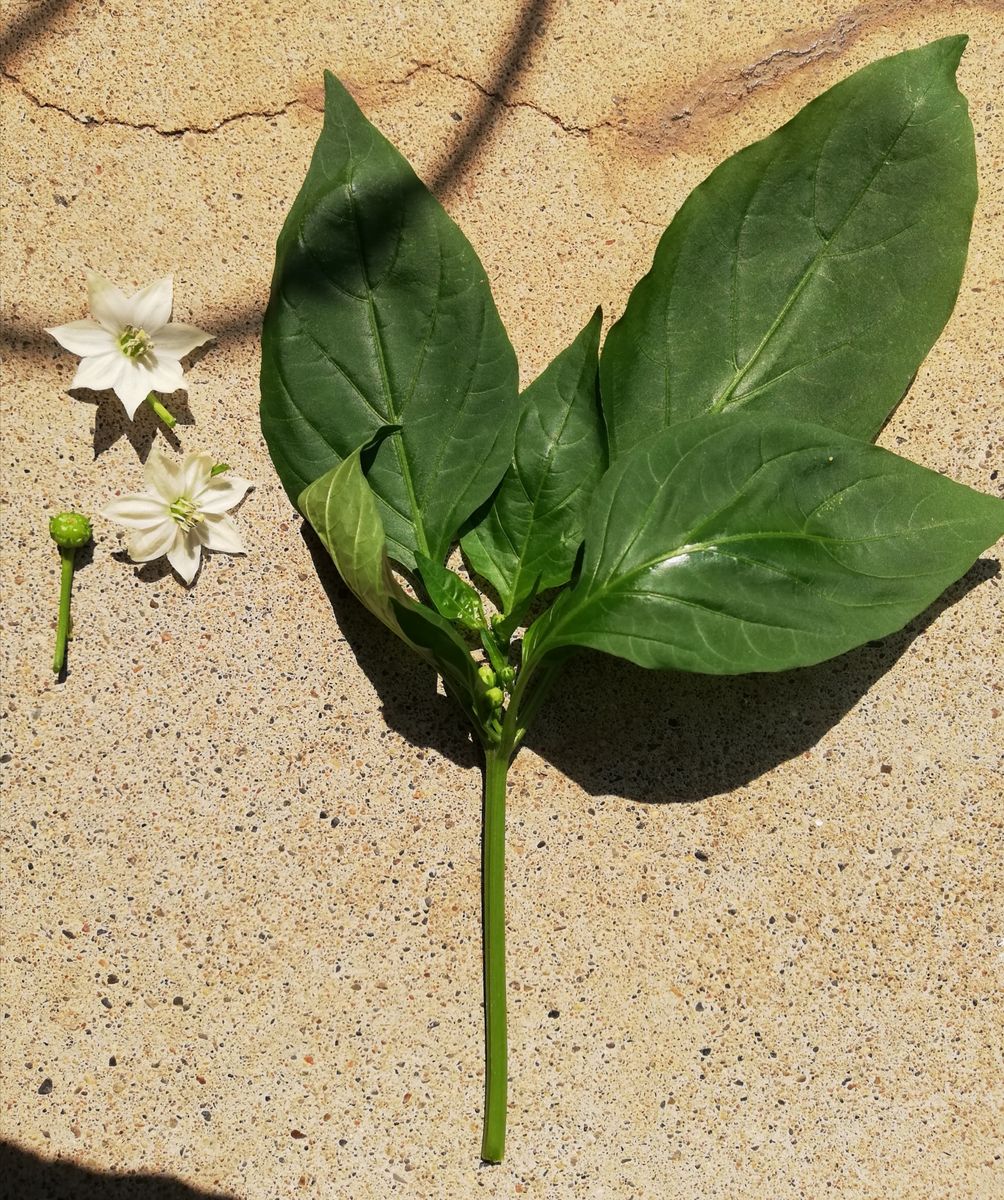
[662,737]
[28,27]
[495,96]
[27,1176]
[442,176]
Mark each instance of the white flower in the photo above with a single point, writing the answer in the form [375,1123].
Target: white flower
[130,345]
[181,511]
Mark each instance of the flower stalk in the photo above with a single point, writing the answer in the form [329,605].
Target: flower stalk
[162,411]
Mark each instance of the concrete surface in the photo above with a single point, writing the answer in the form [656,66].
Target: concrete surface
[241,863]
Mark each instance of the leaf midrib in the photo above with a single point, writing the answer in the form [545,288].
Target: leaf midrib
[399,448]
[613,585]
[722,399]
[539,491]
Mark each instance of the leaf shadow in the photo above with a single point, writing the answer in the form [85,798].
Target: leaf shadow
[28,1176]
[411,703]
[664,737]
[111,422]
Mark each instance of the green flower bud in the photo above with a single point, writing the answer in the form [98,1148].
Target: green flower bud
[70,530]
[495,697]
[508,676]
[487,676]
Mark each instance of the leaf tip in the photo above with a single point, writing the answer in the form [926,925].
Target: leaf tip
[951,49]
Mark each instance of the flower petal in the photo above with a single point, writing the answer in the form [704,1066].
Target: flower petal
[184,555]
[163,477]
[144,545]
[83,337]
[109,307]
[222,493]
[98,371]
[151,307]
[166,375]
[220,533]
[138,510]
[176,340]
[195,474]
[132,385]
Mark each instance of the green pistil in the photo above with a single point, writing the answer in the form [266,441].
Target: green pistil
[185,513]
[134,343]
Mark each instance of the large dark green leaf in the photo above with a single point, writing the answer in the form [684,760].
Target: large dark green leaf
[381,314]
[811,272]
[342,509]
[747,542]
[533,529]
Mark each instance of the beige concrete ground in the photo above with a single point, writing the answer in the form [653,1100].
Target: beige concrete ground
[241,864]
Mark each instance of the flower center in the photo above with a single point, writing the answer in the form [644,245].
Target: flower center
[185,513]
[134,343]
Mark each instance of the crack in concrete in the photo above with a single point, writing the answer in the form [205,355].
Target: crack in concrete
[722,94]
[499,98]
[87,119]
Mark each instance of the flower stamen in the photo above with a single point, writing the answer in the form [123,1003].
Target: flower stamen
[134,343]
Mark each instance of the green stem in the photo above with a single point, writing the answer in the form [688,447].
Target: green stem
[493,919]
[63,622]
[497,759]
[169,419]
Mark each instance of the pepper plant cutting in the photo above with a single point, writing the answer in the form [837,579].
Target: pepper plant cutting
[700,495]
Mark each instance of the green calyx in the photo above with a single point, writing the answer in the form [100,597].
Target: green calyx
[70,530]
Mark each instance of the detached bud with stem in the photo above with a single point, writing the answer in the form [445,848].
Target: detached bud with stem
[70,531]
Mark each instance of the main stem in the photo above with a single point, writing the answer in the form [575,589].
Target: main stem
[63,620]
[493,919]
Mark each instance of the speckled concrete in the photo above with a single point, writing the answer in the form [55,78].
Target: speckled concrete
[241,839]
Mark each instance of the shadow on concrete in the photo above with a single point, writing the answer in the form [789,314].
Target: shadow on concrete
[26,1176]
[111,422]
[669,736]
[687,737]
[407,687]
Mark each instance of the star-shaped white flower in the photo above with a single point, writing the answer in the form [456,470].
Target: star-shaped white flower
[182,510]
[131,345]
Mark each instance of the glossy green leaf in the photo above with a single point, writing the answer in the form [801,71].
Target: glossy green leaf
[533,529]
[342,509]
[453,597]
[381,314]
[811,272]
[748,542]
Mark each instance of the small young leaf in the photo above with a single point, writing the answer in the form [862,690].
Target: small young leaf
[343,511]
[747,542]
[453,597]
[533,529]
[381,314]
[811,272]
